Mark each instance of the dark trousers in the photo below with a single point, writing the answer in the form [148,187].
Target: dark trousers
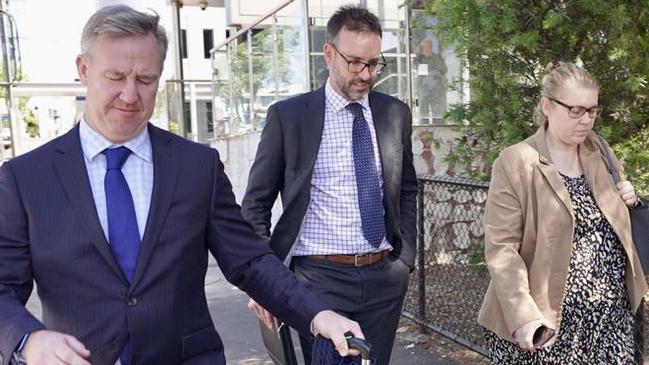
[371,295]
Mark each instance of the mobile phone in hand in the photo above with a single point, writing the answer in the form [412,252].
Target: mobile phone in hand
[542,335]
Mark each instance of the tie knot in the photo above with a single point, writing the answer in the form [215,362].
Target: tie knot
[116,157]
[356,109]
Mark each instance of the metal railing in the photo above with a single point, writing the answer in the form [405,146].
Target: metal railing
[258,66]
[190,110]
[450,279]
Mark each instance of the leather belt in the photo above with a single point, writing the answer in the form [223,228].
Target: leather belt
[354,260]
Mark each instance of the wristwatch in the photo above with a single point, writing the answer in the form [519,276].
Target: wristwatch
[17,358]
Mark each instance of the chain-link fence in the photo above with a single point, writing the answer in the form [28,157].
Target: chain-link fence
[450,278]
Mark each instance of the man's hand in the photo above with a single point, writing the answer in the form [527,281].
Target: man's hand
[262,313]
[54,348]
[627,193]
[333,326]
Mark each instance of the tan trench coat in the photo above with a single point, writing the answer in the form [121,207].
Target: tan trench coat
[529,224]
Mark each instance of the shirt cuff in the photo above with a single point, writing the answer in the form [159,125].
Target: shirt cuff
[312,327]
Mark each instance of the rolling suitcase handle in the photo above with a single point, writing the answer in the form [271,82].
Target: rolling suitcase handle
[361,345]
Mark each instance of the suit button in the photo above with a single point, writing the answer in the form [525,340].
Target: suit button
[131,302]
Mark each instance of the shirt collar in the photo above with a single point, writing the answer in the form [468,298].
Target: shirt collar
[338,102]
[93,143]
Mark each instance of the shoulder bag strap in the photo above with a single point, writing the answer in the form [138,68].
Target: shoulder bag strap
[610,165]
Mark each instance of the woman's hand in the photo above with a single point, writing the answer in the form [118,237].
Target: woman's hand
[524,335]
[627,193]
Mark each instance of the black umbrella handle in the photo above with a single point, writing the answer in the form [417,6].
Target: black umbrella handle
[359,344]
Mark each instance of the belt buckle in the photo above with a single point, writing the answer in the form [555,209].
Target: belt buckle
[357,256]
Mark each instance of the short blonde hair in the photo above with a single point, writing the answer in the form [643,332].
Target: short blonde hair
[557,75]
[122,21]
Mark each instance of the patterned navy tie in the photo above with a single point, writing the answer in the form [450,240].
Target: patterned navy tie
[123,234]
[370,202]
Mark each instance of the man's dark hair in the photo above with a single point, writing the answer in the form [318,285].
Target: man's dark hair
[354,18]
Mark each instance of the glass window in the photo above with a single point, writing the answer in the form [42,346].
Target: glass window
[433,67]
[208,42]
[209,118]
[187,115]
[183,43]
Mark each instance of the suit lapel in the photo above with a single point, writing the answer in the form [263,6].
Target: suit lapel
[549,172]
[312,124]
[385,139]
[605,193]
[556,185]
[71,170]
[165,174]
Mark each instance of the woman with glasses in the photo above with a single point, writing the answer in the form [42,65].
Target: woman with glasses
[565,277]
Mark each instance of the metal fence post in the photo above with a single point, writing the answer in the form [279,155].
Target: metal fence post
[421,257]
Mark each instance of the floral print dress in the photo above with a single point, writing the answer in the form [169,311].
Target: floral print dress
[597,323]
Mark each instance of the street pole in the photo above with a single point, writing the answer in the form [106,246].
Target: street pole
[7,83]
[178,63]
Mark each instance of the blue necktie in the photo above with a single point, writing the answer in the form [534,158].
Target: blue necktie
[123,234]
[370,202]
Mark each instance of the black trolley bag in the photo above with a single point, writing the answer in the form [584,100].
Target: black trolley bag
[324,352]
[362,346]
[279,345]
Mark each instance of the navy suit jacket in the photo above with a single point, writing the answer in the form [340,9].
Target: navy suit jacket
[287,153]
[50,233]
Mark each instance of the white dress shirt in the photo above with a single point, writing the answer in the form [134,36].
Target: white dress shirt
[138,171]
[332,223]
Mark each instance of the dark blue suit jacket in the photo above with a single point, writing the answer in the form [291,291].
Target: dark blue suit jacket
[287,153]
[50,232]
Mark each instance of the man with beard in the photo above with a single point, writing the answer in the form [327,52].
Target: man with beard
[341,157]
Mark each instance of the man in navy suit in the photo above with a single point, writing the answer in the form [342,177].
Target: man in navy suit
[114,221]
[341,158]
